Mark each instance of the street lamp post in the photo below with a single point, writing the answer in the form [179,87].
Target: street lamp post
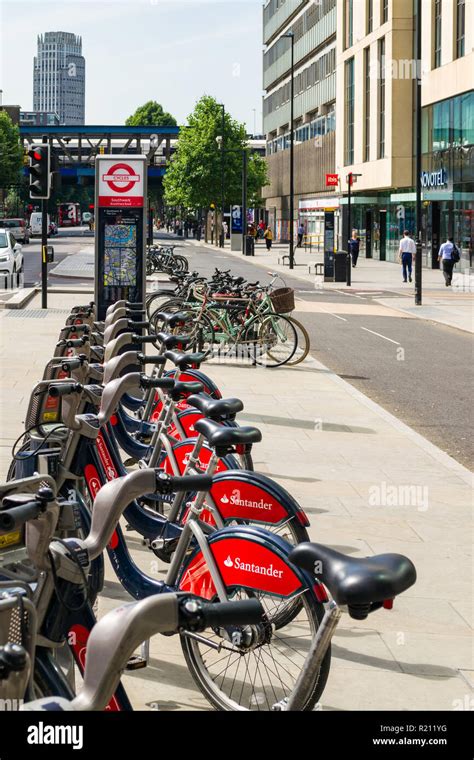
[418,255]
[292,147]
[222,144]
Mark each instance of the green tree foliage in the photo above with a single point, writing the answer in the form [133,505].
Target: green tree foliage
[193,179]
[151,114]
[11,152]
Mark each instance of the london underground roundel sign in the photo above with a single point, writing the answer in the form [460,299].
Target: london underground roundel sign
[120,182]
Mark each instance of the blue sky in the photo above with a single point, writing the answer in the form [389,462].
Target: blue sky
[172,51]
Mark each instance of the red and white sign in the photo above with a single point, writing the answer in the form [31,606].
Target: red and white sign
[332,180]
[120,182]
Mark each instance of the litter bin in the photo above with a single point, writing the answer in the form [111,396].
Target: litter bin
[249,245]
[340,264]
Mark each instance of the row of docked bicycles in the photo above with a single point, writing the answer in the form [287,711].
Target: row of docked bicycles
[115,431]
[228,317]
[162,258]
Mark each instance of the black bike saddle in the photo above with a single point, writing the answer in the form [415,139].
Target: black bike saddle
[356,582]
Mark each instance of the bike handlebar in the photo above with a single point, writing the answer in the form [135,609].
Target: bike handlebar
[14,518]
[143,338]
[64,389]
[221,614]
[166,383]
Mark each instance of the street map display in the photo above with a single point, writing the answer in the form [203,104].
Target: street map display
[120,254]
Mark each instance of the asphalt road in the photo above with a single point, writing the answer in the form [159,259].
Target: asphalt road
[420,371]
[63,245]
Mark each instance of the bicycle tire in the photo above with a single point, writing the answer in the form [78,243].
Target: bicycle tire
[305,348]
[215,696]
[260,333]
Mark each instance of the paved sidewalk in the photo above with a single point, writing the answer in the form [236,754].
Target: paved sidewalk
[369,485]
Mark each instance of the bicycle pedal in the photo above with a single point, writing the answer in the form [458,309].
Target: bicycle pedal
[135,662]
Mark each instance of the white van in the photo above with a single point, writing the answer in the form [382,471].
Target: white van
[35,223]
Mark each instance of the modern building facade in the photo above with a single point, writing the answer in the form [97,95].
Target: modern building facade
[39,118]
[59,77]
[314,27]
[376,77]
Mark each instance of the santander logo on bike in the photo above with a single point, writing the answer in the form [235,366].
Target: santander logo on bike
[236,499]
[251,567]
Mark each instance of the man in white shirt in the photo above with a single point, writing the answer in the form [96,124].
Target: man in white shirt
[406,251]
[445,255]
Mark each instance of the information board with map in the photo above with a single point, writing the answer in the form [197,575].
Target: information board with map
[120,254]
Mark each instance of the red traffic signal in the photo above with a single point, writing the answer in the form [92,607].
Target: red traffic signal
[40,171]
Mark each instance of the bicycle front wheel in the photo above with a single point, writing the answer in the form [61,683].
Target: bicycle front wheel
[271,340]
[262,674]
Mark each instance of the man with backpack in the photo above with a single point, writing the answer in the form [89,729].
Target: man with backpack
[449,256]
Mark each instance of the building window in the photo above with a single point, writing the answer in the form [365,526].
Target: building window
[384,11]
[370,16]
[367,104]
[348,23]
[381,72]
[349,86]
[437,33]
[460,27]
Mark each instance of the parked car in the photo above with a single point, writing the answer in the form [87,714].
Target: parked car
[19,228]
[11,256]
[35,222]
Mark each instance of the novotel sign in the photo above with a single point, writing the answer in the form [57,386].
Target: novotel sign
[434,179]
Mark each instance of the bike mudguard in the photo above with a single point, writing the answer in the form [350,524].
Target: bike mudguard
[131,402]
[121,435]
[244,495]
[246,557]
[190,375]
[182,450]
[188,417]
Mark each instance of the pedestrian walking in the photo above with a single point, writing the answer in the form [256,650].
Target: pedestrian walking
[406,251]
[448,256]
[300,235]
[268,235]
[354,246]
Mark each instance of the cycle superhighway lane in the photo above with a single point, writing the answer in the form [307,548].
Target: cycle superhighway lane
[420,371]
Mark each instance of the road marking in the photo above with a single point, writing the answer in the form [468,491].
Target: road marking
[325,311]
[380,336]
[345,293]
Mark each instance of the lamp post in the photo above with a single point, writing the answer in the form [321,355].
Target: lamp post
[292,147]
[221,144]
[418,255]
[351,177]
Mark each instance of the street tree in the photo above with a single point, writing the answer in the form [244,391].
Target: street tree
[194,178]
[11,154]
[151,114]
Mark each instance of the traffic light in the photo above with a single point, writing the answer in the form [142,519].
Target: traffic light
[40,171]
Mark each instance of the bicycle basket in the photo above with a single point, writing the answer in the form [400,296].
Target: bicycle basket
[283,300]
